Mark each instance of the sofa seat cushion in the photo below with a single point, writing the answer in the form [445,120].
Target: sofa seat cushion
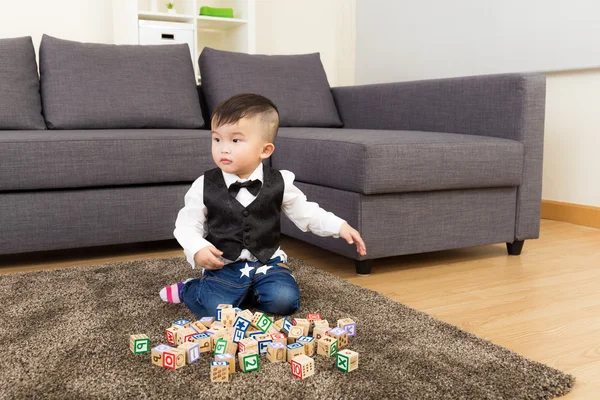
[90,158]
[384,161]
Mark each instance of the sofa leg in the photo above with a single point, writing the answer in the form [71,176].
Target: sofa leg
[514,248]
[363,267]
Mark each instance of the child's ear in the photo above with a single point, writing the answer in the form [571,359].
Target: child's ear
[268,149]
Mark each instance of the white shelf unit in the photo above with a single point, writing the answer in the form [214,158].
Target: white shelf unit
[231,34]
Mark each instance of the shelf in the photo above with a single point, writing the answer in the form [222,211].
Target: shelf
[161,16]
[218,23]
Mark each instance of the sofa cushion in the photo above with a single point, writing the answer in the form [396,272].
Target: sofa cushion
[297,84]
[20,104]
[381,161]
[77,158]
[105,86]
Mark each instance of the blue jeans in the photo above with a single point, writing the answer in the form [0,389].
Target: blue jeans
[270,288]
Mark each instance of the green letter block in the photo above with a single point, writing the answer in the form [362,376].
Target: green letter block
[334,348]
[342,362]
[251,363]
[264,323]
[220,346]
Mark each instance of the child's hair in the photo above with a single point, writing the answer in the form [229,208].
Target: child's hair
[250,105]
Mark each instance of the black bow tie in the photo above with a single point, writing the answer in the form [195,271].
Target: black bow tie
[252,186]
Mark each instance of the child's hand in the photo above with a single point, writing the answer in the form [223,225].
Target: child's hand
[352,236]
[207,258]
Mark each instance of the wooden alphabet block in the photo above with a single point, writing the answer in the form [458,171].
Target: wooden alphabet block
[310,345]
[229,359]
[279,324]
[173,358]
[198,326]
[219,371]
[182,323]
[184,335]
[340,334]
[262,321]
[348,325]
[321,323]
[313,317]
[302,366]
[157,354]
[172,335]
[276,352]
[223,346]
[346,360]
[240,327]
[262,341]
[245,314]
[219,309]
[192,352]
[217,325]
[279,337]
[139,344]
[304,323]
[294,334]
[248,344]
[319,332]
[249,361]
[227,316]
[207,321]
[286,325]
[327,346]
[294,349]
[203,342]
[214,336]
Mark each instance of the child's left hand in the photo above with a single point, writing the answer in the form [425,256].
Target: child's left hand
[352,236]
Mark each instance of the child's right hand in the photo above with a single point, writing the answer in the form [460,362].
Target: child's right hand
[207,258]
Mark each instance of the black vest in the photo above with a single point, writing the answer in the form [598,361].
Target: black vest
[233,227]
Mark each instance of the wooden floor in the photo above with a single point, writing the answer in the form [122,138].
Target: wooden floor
[544,304]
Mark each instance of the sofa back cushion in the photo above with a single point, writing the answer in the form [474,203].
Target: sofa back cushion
[20,104]
[297,84]
[105,86]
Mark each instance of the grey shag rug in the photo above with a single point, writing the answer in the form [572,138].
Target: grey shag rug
[64,334]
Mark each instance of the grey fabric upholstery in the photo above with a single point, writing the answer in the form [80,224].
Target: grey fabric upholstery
[61,219]
[102,86]
[382,161]
[87,158]
[20,103]
[509,106]
[407,223]
[297,84]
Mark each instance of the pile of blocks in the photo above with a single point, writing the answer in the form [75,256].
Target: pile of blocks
[234,331]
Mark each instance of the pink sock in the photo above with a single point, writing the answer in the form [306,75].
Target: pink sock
[170,293]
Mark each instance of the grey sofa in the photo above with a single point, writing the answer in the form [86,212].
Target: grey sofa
[415,167]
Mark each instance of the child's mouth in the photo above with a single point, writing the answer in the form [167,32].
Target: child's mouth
[226,161]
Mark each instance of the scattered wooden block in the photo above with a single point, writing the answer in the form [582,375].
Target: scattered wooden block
[198,326]
[294,334]
[279,337]
[321,323]
[157,354]
[229,359]
[240,327]
[313,317]
[192,351]
[219,309]
[182,323]
[217,325]
[310,345]
[207,321]
[327,346]
[139,344]
[348,325]
[173,358]
[340,334]
[302,366]
[279,324]
[219,371]
[223,346]
[249,361]
[228,316]
[262,321]
[171,335]
[245,314]
[276,352]
[252,331]
[248,344]
[346,360]
[286,325]
[319,332]
[203,342]
[294,349]
[183,335]
[262,341]
[304,323]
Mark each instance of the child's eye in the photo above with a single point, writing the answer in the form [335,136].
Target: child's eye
[236,140]
[217,140]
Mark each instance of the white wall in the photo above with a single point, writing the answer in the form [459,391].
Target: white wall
[572,138]
[309,26]
[81,20]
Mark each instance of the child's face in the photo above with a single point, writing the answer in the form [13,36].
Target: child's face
[239,148]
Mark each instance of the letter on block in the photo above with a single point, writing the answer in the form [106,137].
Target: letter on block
[262,341]
[263,323]
[248,344]
[184,335]
[304,323]
[318,333]
[279,337]
[310,345]
[346,360]
[219,371]
[157,354]
[294,349]
[276,352]
[219,309]
[348,325]
[173,359]
[192,351]
[287,325]
[139,344]
[295,333]
[327,346]
[203,342]
[171,335]
[182,323]
[302,366]
[229,359]
[249,361]
[340,334]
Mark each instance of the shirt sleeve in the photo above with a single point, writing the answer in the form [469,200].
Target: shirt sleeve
[190,226]
[307,215]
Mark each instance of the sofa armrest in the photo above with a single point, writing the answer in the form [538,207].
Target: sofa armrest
[510,106]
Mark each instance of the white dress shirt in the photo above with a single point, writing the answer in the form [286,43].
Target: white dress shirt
[191,228]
